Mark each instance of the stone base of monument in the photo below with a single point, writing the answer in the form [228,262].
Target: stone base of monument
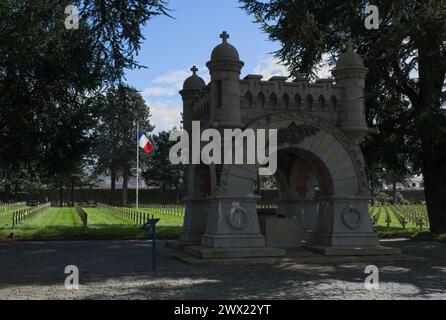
[203,252]
[354,251]
[179,244]
[193,237]
[281,232]
[255,240]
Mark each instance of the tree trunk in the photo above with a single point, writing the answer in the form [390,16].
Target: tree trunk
[61,195]
[7,193]
[178,195]
[394,192]
[72,192]
[125,181]
[111,199]
[431,81]
[113,180]
[435,192]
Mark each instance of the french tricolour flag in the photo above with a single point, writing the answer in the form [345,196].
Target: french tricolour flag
[144,142]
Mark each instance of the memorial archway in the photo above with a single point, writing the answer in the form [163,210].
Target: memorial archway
[320,173]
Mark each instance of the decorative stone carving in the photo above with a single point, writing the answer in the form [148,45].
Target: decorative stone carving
[351,217]
[237,218]
[295,134]
[268,121]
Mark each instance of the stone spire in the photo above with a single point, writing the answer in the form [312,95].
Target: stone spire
[349,58]
[194,82]
[349,45]
[224,68]
[225,50]
[350,74]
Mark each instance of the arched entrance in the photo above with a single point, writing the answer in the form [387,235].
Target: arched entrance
[321,179]
[303,181]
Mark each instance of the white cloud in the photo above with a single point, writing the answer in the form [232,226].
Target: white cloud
[159,91]
[269,67]
[324,69]
[165,114]
[164,99]
[170,83]
[175,78]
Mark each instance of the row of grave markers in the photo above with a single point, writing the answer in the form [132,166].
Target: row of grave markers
[133,215]
[7,206]
[23,214]
[415,214]
[82,214]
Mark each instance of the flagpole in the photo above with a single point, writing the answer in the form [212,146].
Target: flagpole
[137,162]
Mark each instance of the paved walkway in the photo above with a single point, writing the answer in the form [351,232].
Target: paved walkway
[121,270]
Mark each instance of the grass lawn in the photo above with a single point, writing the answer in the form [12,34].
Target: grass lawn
[64,223]
[6,217]
[104,224]
[395,229]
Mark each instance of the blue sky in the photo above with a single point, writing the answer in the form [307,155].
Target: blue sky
[173,46]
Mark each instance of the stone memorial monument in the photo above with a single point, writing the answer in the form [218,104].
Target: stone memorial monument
[321,179]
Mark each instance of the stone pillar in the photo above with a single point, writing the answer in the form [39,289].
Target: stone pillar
[195,218]
[225,67]
[344,222]
[350,75]
[233,223]
[196,208]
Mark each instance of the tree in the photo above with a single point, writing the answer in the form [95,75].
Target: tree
[158,171]
[406,55]
[122,108]
[387,155]
[383,198]
[399,198]
[49,74]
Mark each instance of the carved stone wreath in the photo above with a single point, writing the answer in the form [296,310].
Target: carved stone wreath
[295,134]
[351,217]
[237,218]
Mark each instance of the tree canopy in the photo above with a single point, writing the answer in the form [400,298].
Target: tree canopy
[122,107]
[50,77]
[406,56]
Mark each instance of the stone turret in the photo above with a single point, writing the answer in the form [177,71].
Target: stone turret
[191,87]
[224,68]
[350,75]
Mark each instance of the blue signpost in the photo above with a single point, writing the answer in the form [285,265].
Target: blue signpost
[151,225]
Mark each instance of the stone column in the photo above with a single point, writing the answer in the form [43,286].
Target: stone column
[195,219]
[233,223]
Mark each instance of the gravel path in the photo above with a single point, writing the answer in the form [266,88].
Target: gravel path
[121,270]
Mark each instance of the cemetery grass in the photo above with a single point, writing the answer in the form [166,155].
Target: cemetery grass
[395,229]
[64,223]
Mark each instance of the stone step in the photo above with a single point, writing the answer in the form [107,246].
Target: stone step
[220,253]
[354,251]
[178,244]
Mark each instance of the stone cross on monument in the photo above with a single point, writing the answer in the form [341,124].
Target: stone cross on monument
[224,36]
[349,45]
[194,70]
